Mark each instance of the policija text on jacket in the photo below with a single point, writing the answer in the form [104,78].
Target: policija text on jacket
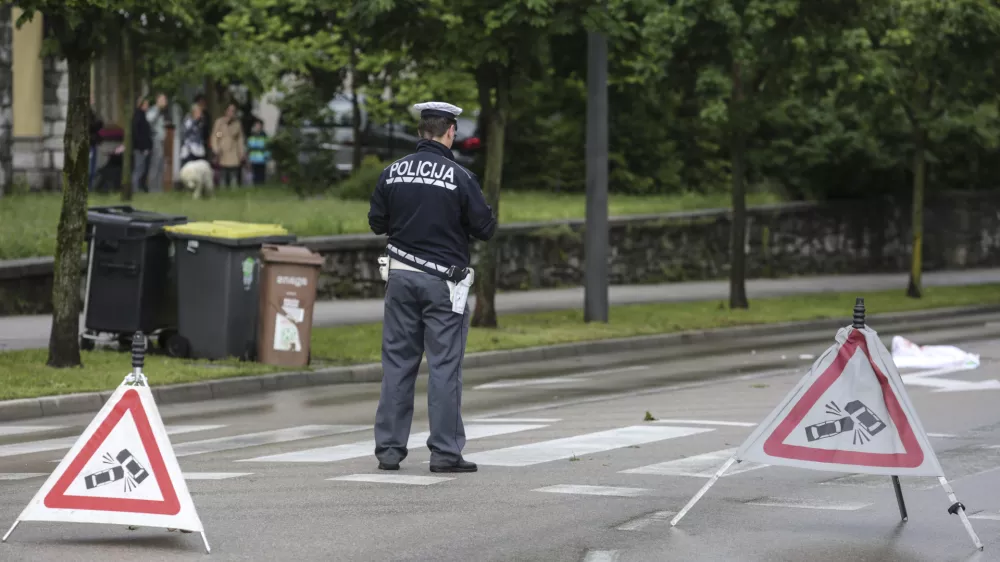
[430,206]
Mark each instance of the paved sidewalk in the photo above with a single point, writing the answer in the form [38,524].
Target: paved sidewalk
[31,332]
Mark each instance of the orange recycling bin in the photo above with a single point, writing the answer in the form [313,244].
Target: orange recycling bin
[287,296]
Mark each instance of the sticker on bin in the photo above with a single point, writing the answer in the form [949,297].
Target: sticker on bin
[248,267]
[293,311]
[286,333]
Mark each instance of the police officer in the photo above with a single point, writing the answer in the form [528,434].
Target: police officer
[429,206]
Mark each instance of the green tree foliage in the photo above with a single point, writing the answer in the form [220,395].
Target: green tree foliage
[504,45]
[932,65]
[740,58]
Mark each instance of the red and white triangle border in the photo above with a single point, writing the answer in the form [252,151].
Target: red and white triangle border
[864,340]
[175,510]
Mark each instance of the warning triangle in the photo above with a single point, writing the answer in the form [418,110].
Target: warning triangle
[850,413]
[122,470]
[122,467]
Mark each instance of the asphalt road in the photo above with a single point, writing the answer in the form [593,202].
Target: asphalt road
[32,332]
[569,471]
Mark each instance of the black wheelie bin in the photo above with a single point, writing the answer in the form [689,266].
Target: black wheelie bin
[128,285]
[218,287]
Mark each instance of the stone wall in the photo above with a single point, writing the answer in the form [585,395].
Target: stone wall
[962,231]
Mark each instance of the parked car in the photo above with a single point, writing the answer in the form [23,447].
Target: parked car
[389,141]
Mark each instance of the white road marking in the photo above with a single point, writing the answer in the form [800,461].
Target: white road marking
[674,387]
[574,378]
[30,447]
[809,504]
[995,516]
[20,475]
[556,449]
[601,556]
[951,385]
[919,374]
[700,466]
[514,420]
[409,479]
[710,422]
[640,523]
[942,435]
[593,490]
[19,429]
[263,438]
[925,379]
[517,383]
[214,475]
[367,448]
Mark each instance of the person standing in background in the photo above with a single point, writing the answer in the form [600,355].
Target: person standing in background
[142,143]
[206,125]
[259,155]
[192,139]
[206,122]
[157,118]
[229,146]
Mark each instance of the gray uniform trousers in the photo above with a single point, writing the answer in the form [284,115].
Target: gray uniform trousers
[418,318]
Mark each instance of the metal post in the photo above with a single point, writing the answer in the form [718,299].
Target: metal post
[859,324]
[899,498]
[718,474]
[958,508]
[596,238]
[12,527]
[138,360]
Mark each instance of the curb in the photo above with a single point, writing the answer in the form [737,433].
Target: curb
[92,402]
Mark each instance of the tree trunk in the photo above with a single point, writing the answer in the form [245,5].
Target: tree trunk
[737,234]
[64,343]
[6,98]
[126,78]
[915,288]
[358,147]
[485,314]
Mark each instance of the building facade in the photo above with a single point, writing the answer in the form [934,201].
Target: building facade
[38,92]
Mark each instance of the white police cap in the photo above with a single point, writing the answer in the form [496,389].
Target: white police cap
[438,109]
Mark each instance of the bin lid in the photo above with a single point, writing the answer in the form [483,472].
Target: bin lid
[126,215]
[230,230]
[274,253]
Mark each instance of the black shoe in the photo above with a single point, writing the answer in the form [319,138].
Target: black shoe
[460,466]
[387,466]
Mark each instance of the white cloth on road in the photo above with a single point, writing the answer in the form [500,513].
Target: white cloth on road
[908,355]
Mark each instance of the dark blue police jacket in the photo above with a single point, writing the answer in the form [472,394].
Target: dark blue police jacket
[430,206]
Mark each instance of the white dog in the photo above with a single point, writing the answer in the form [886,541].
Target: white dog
[197,176]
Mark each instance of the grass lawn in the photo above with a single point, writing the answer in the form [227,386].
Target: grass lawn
[23,373]
[28,222]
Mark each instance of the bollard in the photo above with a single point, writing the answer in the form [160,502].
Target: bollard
[859,313]
[139,343]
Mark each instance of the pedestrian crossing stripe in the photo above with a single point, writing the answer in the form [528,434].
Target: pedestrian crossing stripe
[593,490]
[699,466]
[367,448]
[590,443]
[409,479]
[31,447]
